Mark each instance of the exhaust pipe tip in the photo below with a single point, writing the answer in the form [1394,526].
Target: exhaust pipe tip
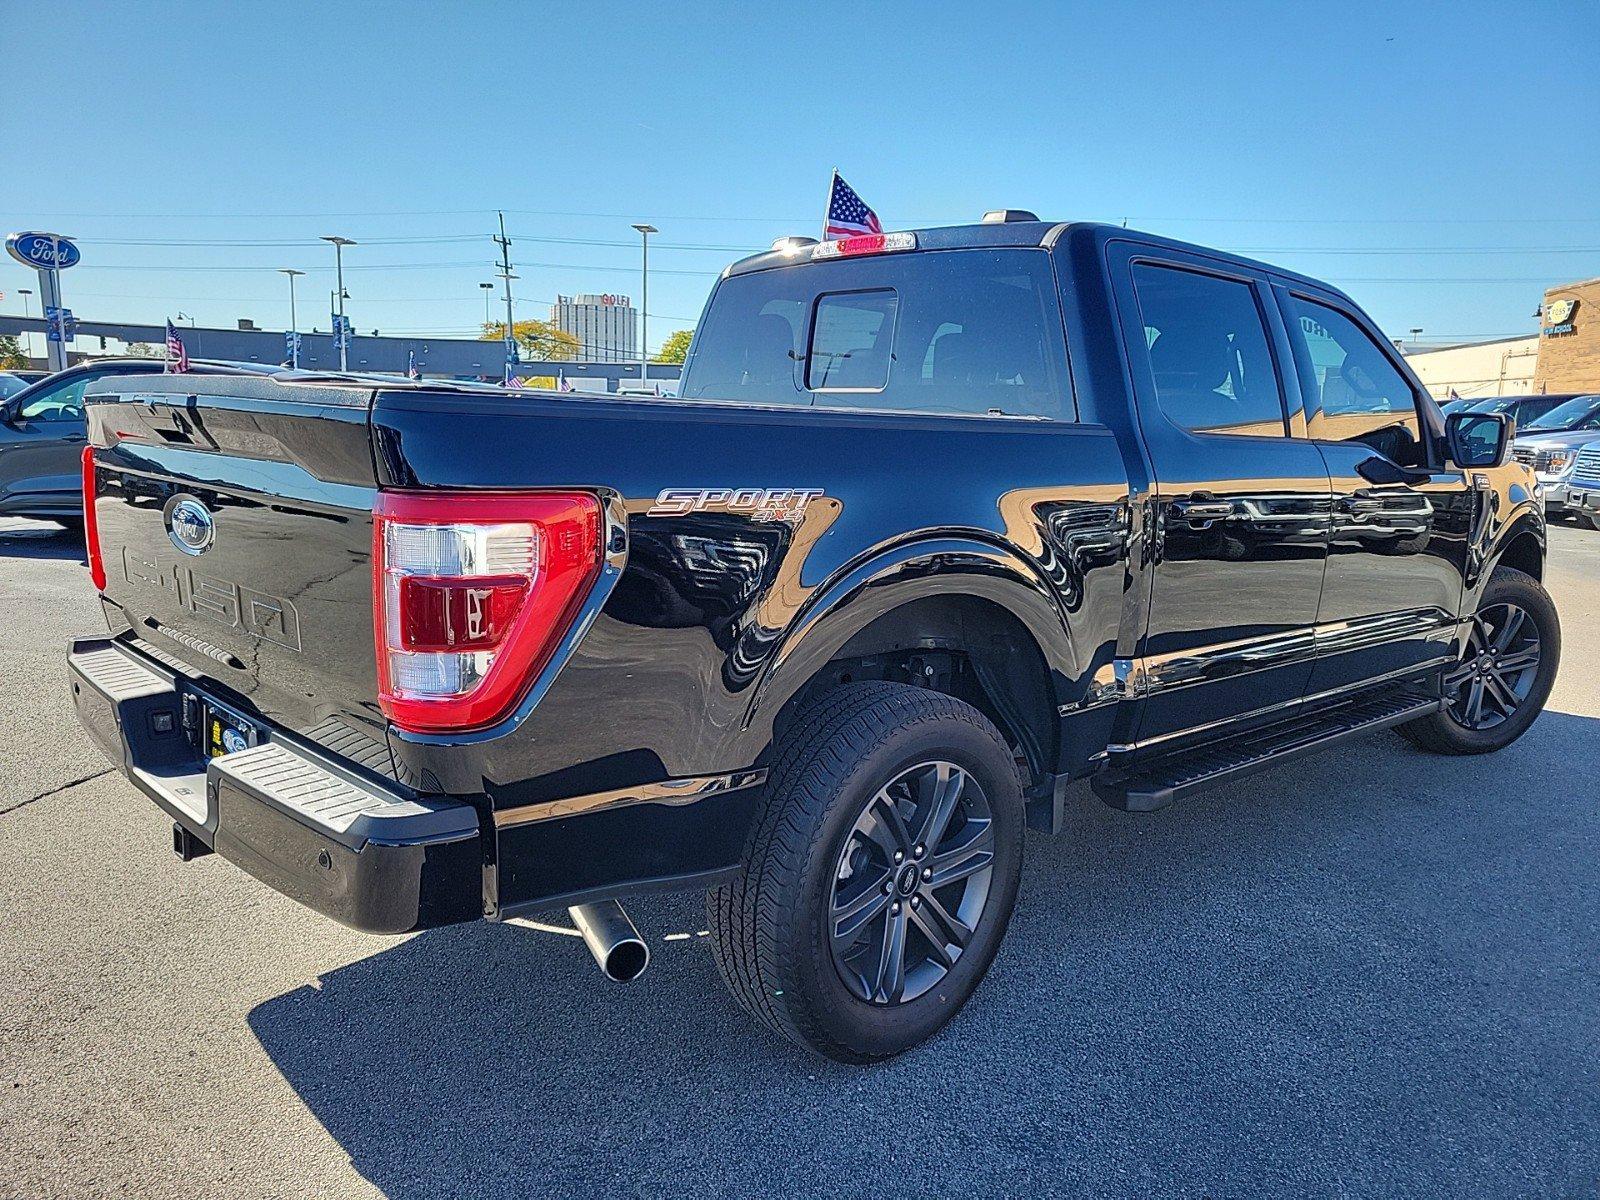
[618,950]
[627,961]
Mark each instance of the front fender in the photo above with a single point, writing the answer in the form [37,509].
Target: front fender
[1524,520]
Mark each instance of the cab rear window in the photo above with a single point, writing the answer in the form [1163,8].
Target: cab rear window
[958,331]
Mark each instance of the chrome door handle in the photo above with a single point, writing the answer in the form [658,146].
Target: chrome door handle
[1202,510]
[1361,504]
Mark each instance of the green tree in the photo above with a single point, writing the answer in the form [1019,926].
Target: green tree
[676,348]
[144,350]
[11,354]
[539,340]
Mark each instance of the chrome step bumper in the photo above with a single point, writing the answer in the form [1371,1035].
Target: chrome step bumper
[326,836]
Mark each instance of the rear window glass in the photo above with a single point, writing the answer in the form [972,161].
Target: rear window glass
[960,331]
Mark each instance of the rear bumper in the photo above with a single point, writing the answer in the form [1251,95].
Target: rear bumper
[335,841]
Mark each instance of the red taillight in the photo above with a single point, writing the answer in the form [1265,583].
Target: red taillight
[865,243]
[458,614]
[472,592]
[91,524]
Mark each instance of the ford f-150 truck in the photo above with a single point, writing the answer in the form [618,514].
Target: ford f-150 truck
[941,522]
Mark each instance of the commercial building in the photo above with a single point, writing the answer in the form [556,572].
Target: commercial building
[1502,367]
[606,326]
[1569,339]
[1564,356]
[434,358]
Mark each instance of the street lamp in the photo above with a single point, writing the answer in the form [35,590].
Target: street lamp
[644,303]
[488,289]
[1415,333]
[294,327]
[339,243]
[183,316]
[27,342]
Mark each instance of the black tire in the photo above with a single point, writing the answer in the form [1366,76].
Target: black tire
[772,933]
[1446,732]
[1585,519]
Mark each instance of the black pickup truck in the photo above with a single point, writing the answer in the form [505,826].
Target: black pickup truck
[941,522]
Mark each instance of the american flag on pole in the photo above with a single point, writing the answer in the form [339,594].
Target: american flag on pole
[177,356]
[848,214]
[411,366]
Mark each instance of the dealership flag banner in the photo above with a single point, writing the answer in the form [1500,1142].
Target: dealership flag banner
[848,213]
[177,356]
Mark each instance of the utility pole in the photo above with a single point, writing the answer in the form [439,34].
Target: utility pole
[294,325]
[505,273]
[339,243]
[488,289]
[644,304]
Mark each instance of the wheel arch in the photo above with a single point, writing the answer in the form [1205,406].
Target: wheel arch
[1522,547]
[982,605]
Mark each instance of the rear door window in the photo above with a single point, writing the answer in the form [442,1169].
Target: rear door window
[1210,358]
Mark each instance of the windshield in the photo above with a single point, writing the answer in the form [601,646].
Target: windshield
[10,385]
[1573,414]
[1498,404]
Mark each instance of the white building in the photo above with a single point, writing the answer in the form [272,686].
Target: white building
[606,326]
[1503,367]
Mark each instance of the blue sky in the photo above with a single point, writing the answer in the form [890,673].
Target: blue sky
[1440,162]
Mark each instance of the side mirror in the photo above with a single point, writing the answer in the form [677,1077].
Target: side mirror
[1478,439]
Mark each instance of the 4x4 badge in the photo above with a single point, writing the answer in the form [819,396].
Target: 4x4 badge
[763,504]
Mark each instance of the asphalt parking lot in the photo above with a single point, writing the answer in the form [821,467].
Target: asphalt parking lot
[1373,972]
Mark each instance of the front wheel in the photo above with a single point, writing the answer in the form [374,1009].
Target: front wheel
[880,876]
[1503,674]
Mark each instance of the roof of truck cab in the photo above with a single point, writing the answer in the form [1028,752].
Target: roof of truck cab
[1032,233]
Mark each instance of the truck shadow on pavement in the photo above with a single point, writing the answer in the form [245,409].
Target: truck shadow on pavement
[1372,972]
[39,540]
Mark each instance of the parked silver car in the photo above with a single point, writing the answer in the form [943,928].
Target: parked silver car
[1550,445]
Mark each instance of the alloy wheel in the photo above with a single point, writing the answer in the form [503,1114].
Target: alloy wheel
[1497,667]
[911,883]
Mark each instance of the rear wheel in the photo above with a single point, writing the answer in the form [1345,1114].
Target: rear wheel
[880,876]
[1503,674]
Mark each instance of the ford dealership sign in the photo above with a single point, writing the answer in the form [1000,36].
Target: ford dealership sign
[46,251]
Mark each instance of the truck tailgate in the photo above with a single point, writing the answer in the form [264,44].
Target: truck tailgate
[235,527]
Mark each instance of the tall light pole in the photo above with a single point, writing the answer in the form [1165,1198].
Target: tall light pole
[339,243]
[294,326]
[644,303]
[27,342]
[488,288]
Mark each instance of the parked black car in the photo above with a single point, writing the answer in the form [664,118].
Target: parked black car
[43,432]
[1522,409]
[942,521]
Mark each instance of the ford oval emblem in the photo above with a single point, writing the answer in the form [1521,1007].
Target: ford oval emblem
[190,525]
[46,251]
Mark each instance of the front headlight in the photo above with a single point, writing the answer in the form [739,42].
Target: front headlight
[1560,462]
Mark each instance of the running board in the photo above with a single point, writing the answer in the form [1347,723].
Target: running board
[1156,782]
